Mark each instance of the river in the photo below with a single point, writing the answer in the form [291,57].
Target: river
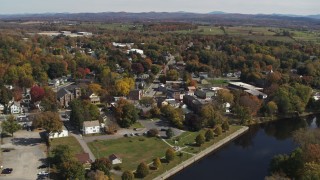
[248,157]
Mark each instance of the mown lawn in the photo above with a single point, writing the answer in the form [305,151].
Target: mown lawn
[69,141]
[136,125]
[132,150]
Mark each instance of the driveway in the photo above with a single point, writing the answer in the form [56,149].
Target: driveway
[28,153]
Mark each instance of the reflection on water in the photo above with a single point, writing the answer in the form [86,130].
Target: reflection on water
[248,156]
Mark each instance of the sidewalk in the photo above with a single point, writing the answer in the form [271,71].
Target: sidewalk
[84,146]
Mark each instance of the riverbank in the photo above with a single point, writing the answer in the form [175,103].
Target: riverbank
[260,120]
[201,154]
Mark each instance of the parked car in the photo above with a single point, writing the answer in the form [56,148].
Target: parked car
[42,166]
[6,150]
[43,173]
[7,171]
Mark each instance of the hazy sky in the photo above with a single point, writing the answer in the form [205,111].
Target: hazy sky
[301,7]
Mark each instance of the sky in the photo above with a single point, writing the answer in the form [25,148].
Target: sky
[299,7]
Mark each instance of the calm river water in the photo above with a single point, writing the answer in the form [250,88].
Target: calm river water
[248,157]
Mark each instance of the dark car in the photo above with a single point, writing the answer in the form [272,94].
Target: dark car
[42,166]
[7,171]
[6,150]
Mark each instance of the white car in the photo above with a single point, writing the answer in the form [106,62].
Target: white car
[43,173]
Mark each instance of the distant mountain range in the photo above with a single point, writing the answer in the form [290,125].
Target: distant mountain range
[215,18]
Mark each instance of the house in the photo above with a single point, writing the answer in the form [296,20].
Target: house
[15,109]
[94,99]
[115,159]
[205,93]
[176,94]
[139,51]
[64,133]
[84,159]
[91,127]
[191,90]
[193,103]
[135,95]
[172,102]
[65,96]
[316,96]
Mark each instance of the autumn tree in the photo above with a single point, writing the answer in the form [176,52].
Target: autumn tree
[156,163]
[253,103]
[102,164]
[200,139]
[173,115]
[271,107]
[72,169]
[123,86]
[137,68]
[10,125]
[209,135]
[210,115]
[172,75]
[49,101]
[37,93]
[127,175]
[142,170]
[125,113]
[97,175]
[170,154]
[218,130]
[50,121]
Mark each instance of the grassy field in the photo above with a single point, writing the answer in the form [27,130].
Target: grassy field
[136,125]
[69,141]
[187,139]
[132,150]
[218,81]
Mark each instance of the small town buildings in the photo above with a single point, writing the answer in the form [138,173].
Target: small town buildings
[91,127]
[253,90]
[193,103]
[65,96]
[94,99]
[205,93]
[135,95]
[171,102]
[15,109]
[64,133]
[115,159]
[176,94]
[191,90]
[139,51]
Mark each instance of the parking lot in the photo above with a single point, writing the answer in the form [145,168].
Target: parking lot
[26,155]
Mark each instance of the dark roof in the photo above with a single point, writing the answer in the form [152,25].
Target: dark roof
[62,92]
[83,158]
[113,157]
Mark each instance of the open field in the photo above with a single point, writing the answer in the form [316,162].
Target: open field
[132,150]
[69,141]
[187,139]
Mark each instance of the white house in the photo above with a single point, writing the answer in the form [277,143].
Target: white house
[91,127]
[115,159]
[139,51]
[15,109]
[63,133]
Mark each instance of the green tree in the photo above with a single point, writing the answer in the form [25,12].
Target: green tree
[60,153]
[142,170]
[72,169]
[218,130]
[6,99]
[126,113]
[172,75]
[169,133]
[225,125]
[102,164]
[10,125]
[156,163]
[210,115]
[209,135]
[170,154]
[200,139]
[127,175]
